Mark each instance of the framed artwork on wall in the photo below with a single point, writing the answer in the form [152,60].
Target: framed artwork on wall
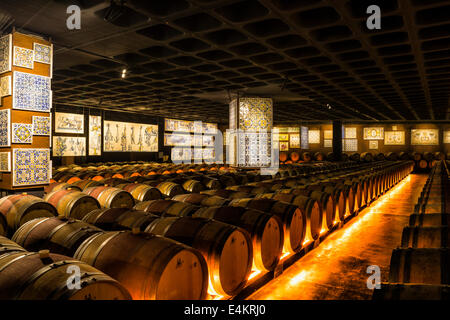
[393,138]
[424,137]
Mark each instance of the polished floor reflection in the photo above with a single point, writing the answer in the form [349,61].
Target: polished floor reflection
[336,269]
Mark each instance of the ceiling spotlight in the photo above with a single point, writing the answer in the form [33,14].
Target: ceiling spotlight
[328,106]
[124,73]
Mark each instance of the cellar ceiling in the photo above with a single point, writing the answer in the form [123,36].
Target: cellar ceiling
[187,59]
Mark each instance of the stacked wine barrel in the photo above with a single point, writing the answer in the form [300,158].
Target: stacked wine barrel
[419,268]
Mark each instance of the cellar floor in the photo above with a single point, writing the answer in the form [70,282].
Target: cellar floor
[336,269]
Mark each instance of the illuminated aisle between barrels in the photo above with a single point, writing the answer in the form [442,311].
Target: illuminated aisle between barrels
[336,269]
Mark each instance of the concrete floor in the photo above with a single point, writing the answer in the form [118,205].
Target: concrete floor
[336,269]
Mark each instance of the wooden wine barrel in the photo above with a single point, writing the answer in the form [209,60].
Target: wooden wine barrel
[423,164]
[293,218]
[110,197]
[319,156]
[227,194]
[202,200]
[226,248]
[141,192]
[20,208]
[44,276]
[72,203]
[84,184]
[113,182]
[283,156]
[7,246]
[58,234]
[114,219]
[355,156]
[266,231]
[211,183]
[439,155]
[403,156]
[367,156]
[149,266]
[306,156]
[429,220]
[392,156]
[380,156]
[411,292]
[193,186]
[59,186]
[248,189]
[167,207]
[170,189]
[294,156]
[428,156]
[426,237]
[3,225]
[427,266]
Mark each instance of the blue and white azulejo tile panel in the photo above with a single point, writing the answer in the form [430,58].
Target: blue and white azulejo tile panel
[22,133]
[5,124]
[5,53]
[23,57]
[31,92]
[5,86]
[42,53]
[31,167]
[42,126]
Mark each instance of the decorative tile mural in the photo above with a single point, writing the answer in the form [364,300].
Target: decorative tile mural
[22,133]
[374,133]
[208,141]
[31,92]
[350,145]
[283,137]
[255,114]
[327,143]
[254,149]
[284,146]
[424,136]
[373,144]
[350,133]
[42,126]
[446,136]
[314,136]
[328,134]
[304,138]
[190,126]
[95,135]
[393,138]
[5,53]
[69,146]
[5,86]
[5,124]
[294,140]
[126,137]
[23,57]
[42,53]
[69,123]
[31,167]
[294,130]
[5,161]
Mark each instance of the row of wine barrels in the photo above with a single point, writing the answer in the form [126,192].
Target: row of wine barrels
[110,197]
[227,249]
[20,208]
[3,225]
[227,194]
[412,292]
[429,220]
[293,218]
[141,192]
[58,234]
[84,184]
[310,208]
[266,231]
[149,266]
[44,276]
[71,203]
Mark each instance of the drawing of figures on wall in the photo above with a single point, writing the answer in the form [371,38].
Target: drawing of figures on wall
[95,135]
[69,123]
[69,146]
[129,137]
